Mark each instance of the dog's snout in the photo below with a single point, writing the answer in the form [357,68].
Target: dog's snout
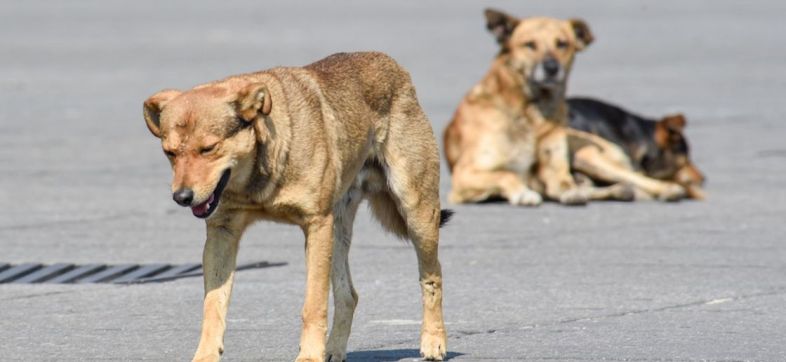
[551,66]
[183,197]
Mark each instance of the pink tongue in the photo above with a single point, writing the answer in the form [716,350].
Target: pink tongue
[201,209]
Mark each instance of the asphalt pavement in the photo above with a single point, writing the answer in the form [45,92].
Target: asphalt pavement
[83,181]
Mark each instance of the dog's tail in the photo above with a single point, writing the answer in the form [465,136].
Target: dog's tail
[444,216]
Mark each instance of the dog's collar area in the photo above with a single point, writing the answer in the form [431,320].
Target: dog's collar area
[205,209]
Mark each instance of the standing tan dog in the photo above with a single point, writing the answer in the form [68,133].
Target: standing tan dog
[507,136]
[305,146]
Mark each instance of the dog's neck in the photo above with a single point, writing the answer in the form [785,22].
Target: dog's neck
[648,151]
[547,100]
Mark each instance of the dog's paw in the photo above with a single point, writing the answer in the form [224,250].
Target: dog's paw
[433,346]
[310,356]
[574,196]
[455,198]
[336,356]
[695,192]
[526,198]
[309,359]
[623,192]
[672,192]
[211,357]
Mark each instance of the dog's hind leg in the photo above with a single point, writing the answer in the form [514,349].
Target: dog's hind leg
[617,192]
[344,296]
[421,226]
[591,161]
[411,163]
[424,231]
[474,186]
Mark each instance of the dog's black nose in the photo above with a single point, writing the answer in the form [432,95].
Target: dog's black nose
[183,197]
[551,66]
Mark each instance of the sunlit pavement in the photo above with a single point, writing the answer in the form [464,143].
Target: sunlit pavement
[84,182]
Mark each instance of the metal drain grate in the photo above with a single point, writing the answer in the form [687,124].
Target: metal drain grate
[64,273]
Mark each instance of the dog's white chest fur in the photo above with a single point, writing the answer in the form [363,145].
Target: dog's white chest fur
[510,150]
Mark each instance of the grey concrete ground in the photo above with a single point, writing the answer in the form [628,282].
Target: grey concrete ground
[83,181]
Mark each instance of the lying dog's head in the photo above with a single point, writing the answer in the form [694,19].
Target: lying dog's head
[208,135]
[540,49]
[672,159]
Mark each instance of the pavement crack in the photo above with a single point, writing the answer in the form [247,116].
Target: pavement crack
[458,334]
[713,301]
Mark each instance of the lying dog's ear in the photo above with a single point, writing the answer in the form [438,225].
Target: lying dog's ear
[674,122]
[153,107]
[582,32]
[252,100]
[500,24]
[668,131]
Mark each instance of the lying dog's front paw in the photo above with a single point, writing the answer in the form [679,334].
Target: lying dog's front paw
[672,192]
[455,198]
[526,198]
[574,196]
[623,192]
[433,347]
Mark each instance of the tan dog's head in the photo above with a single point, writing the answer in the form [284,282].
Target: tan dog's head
[672,161]
[208,135]
[540,49]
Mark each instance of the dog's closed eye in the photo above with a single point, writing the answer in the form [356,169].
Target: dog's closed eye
[561,44]
[207,149]
[169,154]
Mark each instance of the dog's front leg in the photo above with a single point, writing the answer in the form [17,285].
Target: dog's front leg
[218,263]
[319,250]
[590,160]
[554,169]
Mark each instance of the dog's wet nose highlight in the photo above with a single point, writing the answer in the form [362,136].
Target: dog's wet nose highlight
[183,197]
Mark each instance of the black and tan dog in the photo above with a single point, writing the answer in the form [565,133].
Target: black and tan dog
[305,146]
[651,155]
[508,136]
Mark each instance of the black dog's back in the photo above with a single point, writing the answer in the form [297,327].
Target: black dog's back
[628,130]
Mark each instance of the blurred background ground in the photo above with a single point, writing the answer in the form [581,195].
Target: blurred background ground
[82,180]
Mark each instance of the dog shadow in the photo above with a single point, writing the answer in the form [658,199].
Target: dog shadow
[387,355]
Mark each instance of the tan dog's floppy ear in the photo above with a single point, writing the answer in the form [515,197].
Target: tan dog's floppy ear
[582,32]
[153,107]
[674,122]
[500,24]
[252,100]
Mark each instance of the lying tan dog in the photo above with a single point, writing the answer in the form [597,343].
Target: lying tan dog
[305,146]
[612,145]
[507,138]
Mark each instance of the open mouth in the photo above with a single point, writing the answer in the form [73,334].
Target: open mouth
[207,208]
